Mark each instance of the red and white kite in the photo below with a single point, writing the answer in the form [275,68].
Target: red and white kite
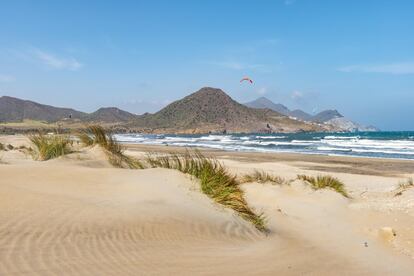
[246,79]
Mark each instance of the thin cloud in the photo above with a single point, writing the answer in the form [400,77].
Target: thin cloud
[402,68]
[56,62]
[7,78]
[289,2]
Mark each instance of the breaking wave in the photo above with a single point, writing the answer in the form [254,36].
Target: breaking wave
[367,144]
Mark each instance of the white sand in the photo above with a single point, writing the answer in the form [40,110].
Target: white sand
[78,216]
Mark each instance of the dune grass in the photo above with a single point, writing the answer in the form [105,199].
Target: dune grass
[216,182]
[405,185]
[325,181]
[85,139]
[49,147]
[409,183]
[97,135]
[262,177]
[2,146]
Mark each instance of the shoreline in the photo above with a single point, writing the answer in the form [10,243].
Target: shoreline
[383,145]
[271,152]
[366,165]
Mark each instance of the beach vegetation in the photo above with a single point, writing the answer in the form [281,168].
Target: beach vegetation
[85,139]
[325,182]
[2,146]
[49,147]
[215,181]
[409,183]
[10,147]
[262,177]
[97,135]
[405,185]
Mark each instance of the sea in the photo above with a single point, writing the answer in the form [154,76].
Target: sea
[390,144]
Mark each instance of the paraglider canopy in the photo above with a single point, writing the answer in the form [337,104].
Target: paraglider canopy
[246,79]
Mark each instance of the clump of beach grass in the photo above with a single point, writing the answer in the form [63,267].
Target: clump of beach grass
[405,185]
[2,146]
[49,147]
[97,135]
[409,183]
[215,181]
[262,177]
[85,139]
[325,181]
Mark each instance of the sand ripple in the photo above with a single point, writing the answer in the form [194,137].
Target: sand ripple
[61,219]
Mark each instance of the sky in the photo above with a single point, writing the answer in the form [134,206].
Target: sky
[354,56]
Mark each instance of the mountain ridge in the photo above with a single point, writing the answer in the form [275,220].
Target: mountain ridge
[328,117]
[15,110]
[213,110]
[110,115]
[321,117]
[206,110]
[264,102]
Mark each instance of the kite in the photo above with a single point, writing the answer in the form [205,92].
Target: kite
[246,79]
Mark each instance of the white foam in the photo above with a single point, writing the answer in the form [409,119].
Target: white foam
[331,144]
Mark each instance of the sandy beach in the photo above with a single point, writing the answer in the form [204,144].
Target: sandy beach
[77,215]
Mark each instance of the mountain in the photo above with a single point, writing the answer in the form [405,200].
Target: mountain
[207,110]
[330,117]
[326,115]
[264,102]
[17,110]
[110,115]
[301,115]
[211,109]
[344,124]
[321,117]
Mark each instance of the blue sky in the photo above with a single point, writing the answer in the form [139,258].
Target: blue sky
[355,56]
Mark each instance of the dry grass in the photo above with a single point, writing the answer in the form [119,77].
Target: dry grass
[262,177]
[325,181]
[409,183]
[216,182]
[97,135]
[2,146]
[85,139]
[405,185]
[49,147]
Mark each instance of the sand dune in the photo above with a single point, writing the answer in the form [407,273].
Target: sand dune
[76,216]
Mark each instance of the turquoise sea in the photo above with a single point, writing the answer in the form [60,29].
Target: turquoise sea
[392,144]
